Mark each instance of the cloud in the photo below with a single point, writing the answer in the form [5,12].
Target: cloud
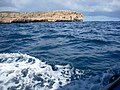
[6,3]
[81,5]
[90,5]
[107,8]
[13,5]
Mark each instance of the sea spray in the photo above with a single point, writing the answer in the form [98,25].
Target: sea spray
[22,72]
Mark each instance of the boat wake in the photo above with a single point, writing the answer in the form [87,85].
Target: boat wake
[23,72]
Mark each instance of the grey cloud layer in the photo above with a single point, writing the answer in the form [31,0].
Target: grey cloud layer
[6,3]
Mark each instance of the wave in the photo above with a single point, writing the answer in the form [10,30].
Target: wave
[93,82]
[24,72]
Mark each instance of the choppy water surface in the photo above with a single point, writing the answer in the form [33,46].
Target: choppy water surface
[58,55]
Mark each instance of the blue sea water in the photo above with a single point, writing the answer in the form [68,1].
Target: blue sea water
[88,52]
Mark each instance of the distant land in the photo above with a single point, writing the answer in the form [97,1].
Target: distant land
[50,16]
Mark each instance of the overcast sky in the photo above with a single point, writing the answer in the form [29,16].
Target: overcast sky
[95,10]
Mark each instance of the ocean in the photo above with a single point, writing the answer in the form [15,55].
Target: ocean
[59,55]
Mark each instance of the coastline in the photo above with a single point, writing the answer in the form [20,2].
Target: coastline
[50,16]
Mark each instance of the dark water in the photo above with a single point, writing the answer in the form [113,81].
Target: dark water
[93,47]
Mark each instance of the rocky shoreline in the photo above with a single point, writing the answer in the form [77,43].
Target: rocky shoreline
[50,16]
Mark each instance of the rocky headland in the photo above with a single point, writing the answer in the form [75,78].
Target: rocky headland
[50,16]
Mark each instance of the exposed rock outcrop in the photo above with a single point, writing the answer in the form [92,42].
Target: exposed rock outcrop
[51,16]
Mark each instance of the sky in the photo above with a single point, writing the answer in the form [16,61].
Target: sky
[93,10]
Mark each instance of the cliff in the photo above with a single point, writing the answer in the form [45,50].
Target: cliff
[51,16]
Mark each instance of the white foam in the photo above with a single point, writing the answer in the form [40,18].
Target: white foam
[24,72]
[93,82]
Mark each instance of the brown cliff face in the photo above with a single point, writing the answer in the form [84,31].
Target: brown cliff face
[51,16]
